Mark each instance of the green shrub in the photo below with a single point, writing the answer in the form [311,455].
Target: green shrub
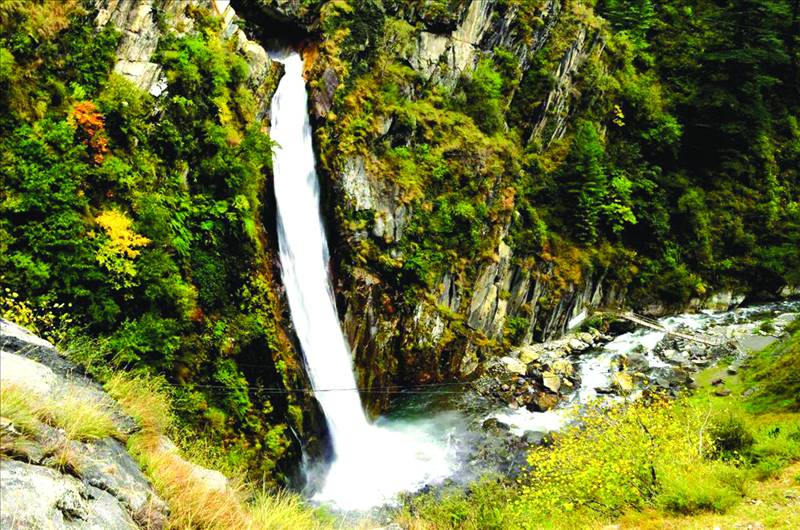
[731,436]
[695,490]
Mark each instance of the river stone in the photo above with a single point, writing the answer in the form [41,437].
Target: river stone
[623,381]
[545,401]
[577,345]
[528,354]
[563,367]
[534,373]
[586,337]
[551,381]
[514,366]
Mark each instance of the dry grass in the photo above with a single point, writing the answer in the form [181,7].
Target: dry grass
[81,418]
[145,399]
[192,501]
[282,511]
[19,406]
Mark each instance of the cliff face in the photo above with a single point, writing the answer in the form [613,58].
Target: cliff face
[464,317]
[434,121]
[441,330]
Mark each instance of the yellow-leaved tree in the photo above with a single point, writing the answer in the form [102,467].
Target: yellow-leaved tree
[120,247]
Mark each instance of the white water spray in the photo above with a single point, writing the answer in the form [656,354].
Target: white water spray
[371,465]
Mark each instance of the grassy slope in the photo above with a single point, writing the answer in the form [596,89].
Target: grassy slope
[774,503]
[765,405]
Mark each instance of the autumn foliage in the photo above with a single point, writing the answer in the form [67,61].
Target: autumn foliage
[91,125]
[120,246]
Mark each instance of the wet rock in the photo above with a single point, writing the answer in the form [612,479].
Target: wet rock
[513,365]
[534,374]
[551,381]
[494,425]
[623,382]
[533,437]
[635,362]
[528,354]
[322,96]
[722,392]
[543,401]
[577,345]
[563,367]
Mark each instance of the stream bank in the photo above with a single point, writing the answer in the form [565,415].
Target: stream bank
[490,425]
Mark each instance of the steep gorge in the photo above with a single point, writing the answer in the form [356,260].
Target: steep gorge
[491,172]
[391,89]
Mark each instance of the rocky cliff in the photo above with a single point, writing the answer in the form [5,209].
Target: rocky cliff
[391,83]
[442,330]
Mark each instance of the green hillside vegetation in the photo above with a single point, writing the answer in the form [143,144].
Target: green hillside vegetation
[136,230]
[678,169]
[139,223]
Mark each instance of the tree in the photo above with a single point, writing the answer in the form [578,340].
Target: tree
[584,182]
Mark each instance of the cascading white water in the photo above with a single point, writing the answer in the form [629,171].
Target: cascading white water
[371,464]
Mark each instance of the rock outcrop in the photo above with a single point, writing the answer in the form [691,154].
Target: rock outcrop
[47,478]
[538,376]
[138,23]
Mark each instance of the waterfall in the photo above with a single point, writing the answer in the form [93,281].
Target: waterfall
[371,464]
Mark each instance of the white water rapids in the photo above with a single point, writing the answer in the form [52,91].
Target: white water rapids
[371,464]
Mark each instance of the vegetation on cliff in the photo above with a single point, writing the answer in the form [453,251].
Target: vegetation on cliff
[138,220]
[669,167]
[654,145]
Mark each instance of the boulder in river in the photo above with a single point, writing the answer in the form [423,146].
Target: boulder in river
[577,345]
[515,366]
[623,382]
[551,381]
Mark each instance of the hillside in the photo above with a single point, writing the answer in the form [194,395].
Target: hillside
[475,181]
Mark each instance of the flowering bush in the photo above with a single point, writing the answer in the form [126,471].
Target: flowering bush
[621,457]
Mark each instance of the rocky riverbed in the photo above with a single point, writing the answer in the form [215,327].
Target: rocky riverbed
[534,385]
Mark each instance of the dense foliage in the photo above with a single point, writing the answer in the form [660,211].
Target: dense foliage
[144,217]
[673,458]
[669,168]
[675,159]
